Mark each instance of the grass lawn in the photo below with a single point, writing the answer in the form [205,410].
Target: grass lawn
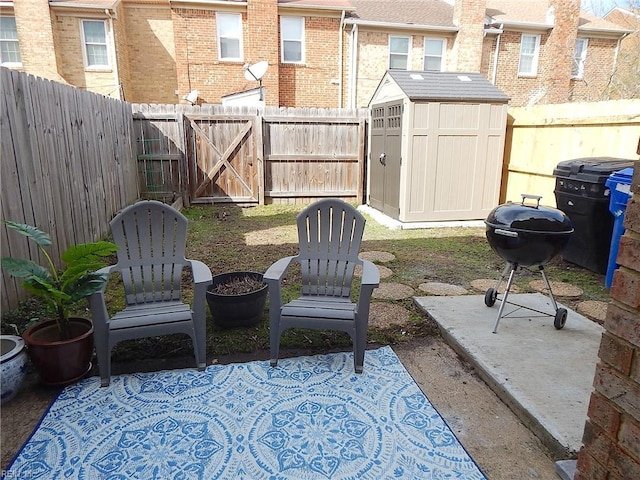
[230,238]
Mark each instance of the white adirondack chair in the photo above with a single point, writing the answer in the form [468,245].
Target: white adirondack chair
[152,238]
[329,235]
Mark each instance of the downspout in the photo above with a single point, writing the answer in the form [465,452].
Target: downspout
[112,38]
[353,67]
[495,57]
[341,59]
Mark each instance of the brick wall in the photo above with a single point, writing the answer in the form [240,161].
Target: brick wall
[262,43]
[612,432]
[122,56]
[624,83]
[71,65]
[311,84]
[466,55]
[597,72]
[373,59]
[558,55]
[152,59]
[36,38]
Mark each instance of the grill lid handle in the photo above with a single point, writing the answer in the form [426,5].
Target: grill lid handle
[531,197]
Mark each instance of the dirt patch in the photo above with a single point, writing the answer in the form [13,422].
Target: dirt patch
[384,315]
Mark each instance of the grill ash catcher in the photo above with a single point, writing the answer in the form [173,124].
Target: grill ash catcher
[526,235]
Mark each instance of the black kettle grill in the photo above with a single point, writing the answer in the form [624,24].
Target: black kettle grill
[526,236]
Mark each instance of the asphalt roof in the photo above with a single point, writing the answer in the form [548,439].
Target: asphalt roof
[447,86]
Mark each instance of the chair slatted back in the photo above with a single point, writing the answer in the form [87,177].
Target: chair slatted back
[329,232]
[152,240]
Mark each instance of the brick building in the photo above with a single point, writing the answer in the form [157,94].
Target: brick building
[624,83]
[321,53]
[612,431]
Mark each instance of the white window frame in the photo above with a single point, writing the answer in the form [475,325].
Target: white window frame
[407,54]
[13,41]
[287,37]
[533,56]
[237,35]
[106,45]
[443,42]
[577,69]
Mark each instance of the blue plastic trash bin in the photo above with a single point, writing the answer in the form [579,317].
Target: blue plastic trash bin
[619,184]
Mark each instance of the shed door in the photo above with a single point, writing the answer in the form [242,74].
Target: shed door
[385,158]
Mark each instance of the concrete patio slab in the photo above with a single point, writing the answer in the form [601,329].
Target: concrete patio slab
[545,375]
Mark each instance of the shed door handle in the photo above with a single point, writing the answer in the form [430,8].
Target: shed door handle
[383,158]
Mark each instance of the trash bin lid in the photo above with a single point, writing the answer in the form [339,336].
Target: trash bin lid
[622,176]
[619,184]
[591,169]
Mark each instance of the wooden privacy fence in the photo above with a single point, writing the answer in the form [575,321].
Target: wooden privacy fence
[67,165]
[540,137]
[211,153]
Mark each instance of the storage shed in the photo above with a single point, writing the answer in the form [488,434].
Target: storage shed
[436,143]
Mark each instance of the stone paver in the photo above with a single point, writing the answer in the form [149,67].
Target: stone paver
[374,256]
[593,309]
[393,291]
[436,288]
[384,271]
[560,289]
[484,284]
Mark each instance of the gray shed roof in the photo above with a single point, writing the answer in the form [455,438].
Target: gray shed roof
[447,86]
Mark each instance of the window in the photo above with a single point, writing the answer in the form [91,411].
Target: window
[434,49]
[94,37]
[579,56]
[399,52]
[229,26]
[292,43]
[529,51]
[9,48]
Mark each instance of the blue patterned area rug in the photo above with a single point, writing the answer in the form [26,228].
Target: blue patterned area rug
[309,418]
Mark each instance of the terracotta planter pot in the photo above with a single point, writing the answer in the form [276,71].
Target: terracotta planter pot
[60,362]
[238,310]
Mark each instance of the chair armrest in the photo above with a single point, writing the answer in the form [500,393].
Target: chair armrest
[276,271]
[97,305]
[370,280]
[273,277]
[201,273]
[370,274]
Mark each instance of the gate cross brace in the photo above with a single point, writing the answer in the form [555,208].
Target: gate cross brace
[224,159]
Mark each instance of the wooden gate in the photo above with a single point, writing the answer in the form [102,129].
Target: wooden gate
[223,159]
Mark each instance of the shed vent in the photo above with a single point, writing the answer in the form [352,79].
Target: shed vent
[464,78]
[417,76]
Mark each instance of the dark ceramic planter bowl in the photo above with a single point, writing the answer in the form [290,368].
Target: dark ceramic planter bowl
[237,310]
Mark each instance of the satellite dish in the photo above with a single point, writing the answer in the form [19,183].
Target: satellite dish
[255,71]
[191,97]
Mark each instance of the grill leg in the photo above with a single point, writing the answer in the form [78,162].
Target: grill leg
[506,270]
[506,294]
[548,285]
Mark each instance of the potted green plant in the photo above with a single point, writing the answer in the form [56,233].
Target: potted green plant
[60,348]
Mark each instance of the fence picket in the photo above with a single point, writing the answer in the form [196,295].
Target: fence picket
[67,165]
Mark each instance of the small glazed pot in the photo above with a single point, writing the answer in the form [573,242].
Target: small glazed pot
[13,362]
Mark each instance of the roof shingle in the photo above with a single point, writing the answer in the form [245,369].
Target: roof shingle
[449,86]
